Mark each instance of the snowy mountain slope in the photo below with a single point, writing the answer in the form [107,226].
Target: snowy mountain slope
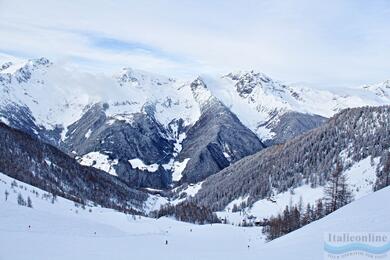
[382,89]
[260,101]
[353,136]
[361,178]
[42,165]
[217,136]
[57,96]
[97,135]
[216,140]
[368,214]
[62,230]
[71,91]
[26,86]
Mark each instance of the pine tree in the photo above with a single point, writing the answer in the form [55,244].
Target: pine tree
[6,193]
[319,210]
[308,215]
[21,200]
[386,170]
[29,202]
[337,192]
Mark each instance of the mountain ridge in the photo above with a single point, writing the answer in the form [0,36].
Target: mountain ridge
[349,136]
[52,102]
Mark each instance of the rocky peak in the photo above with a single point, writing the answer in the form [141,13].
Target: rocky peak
[24,73]
[247,81]
[6,65]
[201,93]
[198,83]
[40,62]
[381,89]
[128,75]
[140,78]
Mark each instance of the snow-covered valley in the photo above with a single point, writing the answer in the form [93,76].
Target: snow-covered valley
[62,230]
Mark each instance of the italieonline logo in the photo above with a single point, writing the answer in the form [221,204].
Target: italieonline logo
[357,245]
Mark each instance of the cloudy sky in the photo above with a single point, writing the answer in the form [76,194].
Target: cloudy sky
[326,43]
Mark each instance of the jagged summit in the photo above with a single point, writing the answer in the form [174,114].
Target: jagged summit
[382,89]
[201,93]
[247,81]
[136,77]
[40,61]
[22,71]
[6,65]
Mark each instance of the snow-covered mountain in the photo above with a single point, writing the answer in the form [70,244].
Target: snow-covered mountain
[260,102]
[57,96]
[150,130]
[382,89]
[131,124]
[263,184]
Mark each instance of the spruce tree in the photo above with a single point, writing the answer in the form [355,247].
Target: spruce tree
[6,193]
[29,202]
[337,192]
[21,200]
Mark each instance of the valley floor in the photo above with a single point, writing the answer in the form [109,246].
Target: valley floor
[60,230]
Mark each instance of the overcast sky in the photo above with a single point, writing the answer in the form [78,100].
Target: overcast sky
[329,43]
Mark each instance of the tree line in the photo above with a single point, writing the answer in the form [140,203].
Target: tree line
[187,212]
[337,195]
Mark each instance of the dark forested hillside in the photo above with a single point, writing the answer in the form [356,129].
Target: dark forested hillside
[187,212]
[145,139]
[290,125]
[44,166]
[353,133]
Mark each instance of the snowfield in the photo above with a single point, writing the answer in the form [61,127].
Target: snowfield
[368,214]
[99,161]
[60,230]
[64,231]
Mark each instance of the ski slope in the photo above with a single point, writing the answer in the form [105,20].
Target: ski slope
[368,214]
[64,231]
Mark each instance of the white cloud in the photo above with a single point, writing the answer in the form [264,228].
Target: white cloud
[328,43]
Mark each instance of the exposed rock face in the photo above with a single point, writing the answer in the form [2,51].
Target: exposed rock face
[20,117]
[122,138]
[247,82]
[217,139]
